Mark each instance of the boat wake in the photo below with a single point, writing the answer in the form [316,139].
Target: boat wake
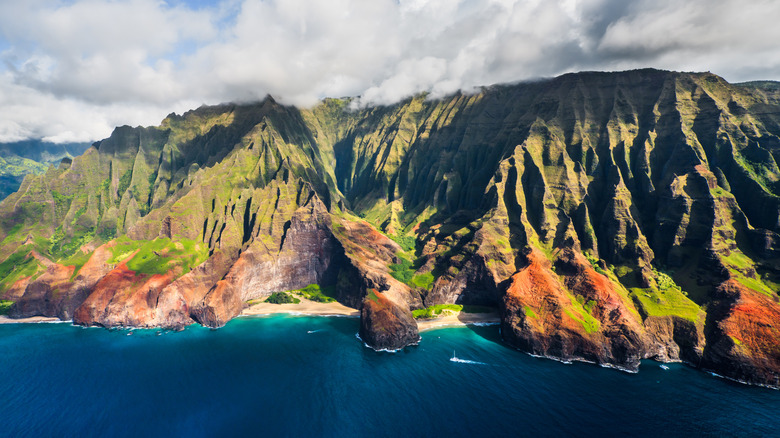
[459,360]
[313,331]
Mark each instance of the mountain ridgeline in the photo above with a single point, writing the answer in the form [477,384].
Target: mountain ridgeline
[610,217]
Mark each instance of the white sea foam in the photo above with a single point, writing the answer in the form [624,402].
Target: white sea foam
[613,367]
[472,362]
[571,361]
[357,335]
[386,350]
[744,382]
[557,359]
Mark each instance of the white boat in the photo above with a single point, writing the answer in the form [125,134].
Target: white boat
[664,367]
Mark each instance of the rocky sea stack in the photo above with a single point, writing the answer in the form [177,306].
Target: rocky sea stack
[610,217]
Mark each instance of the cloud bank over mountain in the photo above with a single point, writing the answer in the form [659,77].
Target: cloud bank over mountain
[74,69]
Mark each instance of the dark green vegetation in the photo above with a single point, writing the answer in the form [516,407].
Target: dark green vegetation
[436,310]
[442,309]
[4,306]
[402,271]
[642,203]
[312,292]
[315,292]
[282,298]
[423,281]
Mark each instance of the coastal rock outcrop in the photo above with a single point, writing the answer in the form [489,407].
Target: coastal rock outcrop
[386,325]
[585,321]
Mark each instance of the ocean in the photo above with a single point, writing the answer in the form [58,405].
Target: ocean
[298,376]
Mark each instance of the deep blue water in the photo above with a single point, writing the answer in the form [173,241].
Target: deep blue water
[310,376]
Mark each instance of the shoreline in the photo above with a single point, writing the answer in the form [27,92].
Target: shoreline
[313,308]
[30,320]
[304,308]
[460,319]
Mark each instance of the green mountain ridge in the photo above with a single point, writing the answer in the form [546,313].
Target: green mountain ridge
[610,217]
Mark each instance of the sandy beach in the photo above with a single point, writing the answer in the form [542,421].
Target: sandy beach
[305,307]
[459,319]
[6,320]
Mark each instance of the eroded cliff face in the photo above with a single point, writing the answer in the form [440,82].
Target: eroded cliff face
[308,254]
[610,217]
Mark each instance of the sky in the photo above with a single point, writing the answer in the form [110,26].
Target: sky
[72,70]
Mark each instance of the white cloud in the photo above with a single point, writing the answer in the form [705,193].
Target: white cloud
[98,50]
[735,39]
[76,68]
[29,113]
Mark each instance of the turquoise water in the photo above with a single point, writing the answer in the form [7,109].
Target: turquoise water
[310,376]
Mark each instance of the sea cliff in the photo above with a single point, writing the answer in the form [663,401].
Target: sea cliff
[610,217]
